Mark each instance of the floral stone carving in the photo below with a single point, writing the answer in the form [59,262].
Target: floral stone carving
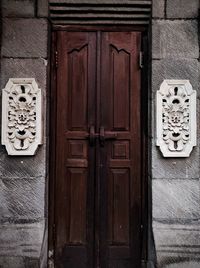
[21,116]
[176,118]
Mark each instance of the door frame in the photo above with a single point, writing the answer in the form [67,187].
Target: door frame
[145,119]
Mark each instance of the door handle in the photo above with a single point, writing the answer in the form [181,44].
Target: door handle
[106,135]
[102,136]
[92,136]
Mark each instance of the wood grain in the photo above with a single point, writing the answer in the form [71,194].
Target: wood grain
[98,193]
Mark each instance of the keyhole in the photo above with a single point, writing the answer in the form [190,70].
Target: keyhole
[175,145]
[22,143]
[175,91]
[23,89]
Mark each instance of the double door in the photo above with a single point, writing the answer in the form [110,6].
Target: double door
[98,150]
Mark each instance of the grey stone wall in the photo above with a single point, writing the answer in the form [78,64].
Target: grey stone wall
[23,180]
[175,181]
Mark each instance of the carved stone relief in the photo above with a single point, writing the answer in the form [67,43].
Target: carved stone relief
[176,118]
[21,116]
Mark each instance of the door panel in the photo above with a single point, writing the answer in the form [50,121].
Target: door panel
[74,213]
[98,150]
[120,115]
[78,88]
[119,199]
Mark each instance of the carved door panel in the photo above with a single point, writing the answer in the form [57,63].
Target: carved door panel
[121,154]
[98,150]
[74,193]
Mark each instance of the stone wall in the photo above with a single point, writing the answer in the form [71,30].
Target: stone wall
[175,181]
[23,180]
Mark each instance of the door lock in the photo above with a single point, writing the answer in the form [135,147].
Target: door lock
[92,136]
[102,136]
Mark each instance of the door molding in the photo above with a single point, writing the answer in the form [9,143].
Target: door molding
[146,192]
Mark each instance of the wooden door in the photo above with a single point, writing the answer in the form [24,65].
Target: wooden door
[98,150]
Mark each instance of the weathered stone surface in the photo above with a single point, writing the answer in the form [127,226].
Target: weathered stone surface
[24,38]
[185,264]
[42,8]
[21,240]
[25,68]
[23,166]
[18,262]
[32,263]
[174,168]
[176,200]
[182,8]
[11,262]
[175,39]
[177,246]
[22,199]
[158,8]
[175,69]
[176,196]
[18,8]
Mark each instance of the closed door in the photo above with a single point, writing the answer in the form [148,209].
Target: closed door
[98,150]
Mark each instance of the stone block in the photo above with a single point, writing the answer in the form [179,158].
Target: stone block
[22,199]
[18,8]
[175,168]
[23,166]
[32,263]
[24,38]
[158,8]
[11,262]
[182,8]
[176,200]
[25,68]
[175,69]
[177,245]
[184,264]
[175,39]
[42,8]
[18,262]
[21,240]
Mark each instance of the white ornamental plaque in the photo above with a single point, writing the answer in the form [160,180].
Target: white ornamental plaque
[21,116]
[176,118]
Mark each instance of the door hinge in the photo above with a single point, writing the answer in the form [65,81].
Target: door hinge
[56,59]
[141,59]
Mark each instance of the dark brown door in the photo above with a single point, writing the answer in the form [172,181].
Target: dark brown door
[98,150]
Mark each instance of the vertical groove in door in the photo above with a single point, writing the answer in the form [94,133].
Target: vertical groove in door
[98,166]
